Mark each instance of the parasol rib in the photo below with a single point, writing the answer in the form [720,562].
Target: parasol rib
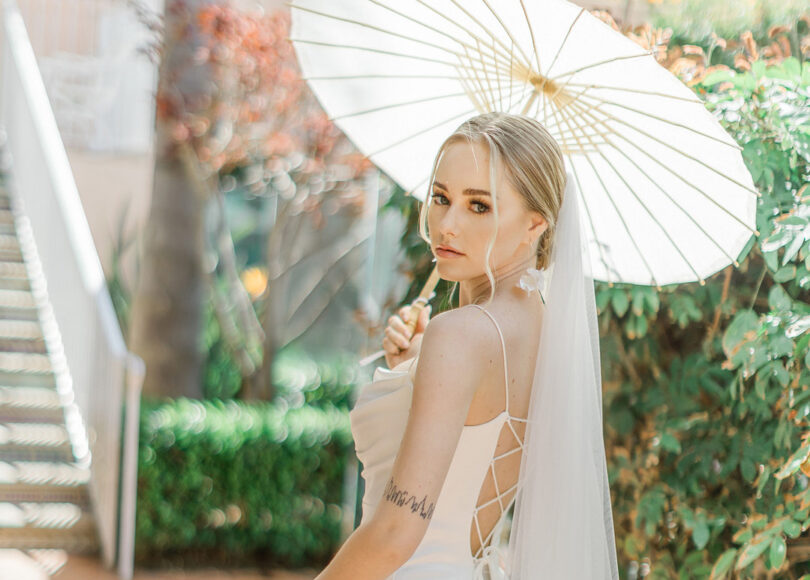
[607,266]
[527,62]
[637,91]
[652,215]
[468,31]
[601,63]
[531,35]
[676,174]
[587,158]
[565,39]
[420,132]
[389,32]
[402,104]
[663,120]
[490,93]
[378,76]
[379,51]
[433,29]
[609,270]
[692,157]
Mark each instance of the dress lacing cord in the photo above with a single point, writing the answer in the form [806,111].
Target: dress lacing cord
[487,553]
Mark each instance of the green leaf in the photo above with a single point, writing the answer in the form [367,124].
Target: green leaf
[638,302]
[771,260]
[785,273]
[780,345]
[795,461]
[602,299]
[792,528]
[620,302]
[723,564]
[778,299]
[748,469]
[744,322]
[776,240]
[670,443]
[700,535]
[652,299]
[778,550]
[753,550]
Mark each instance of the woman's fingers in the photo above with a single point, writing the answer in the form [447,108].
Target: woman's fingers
[398,324]
[397,339]
[389,346]
[397,336]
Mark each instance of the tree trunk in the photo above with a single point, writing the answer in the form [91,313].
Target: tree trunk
[166,320]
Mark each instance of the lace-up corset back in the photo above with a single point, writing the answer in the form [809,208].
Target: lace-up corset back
[500,484]
[463,537]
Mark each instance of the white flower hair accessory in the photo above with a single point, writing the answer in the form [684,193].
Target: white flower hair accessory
[532,280]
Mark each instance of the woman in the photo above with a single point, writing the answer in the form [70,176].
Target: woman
[441,434]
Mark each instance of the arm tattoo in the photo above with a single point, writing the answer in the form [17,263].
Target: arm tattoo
[401,497]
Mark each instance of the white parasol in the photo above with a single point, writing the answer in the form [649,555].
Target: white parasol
[664,191]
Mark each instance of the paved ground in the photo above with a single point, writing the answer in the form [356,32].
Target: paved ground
[82,568]
[16,565]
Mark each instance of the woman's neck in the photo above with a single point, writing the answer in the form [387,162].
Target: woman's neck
[476,290]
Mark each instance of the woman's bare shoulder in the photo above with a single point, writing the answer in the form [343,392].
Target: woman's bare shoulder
[466,326]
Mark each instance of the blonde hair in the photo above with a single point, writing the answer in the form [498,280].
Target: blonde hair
[533,164]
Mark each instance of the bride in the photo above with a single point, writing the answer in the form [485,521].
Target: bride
[442,433]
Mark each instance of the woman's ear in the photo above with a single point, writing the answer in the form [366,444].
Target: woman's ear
[537,225]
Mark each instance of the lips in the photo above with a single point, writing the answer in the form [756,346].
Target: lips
[448,252]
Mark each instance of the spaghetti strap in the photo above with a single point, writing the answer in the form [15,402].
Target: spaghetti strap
[503,350]
[505,492]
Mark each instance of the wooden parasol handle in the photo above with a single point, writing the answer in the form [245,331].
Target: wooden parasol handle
[421,301]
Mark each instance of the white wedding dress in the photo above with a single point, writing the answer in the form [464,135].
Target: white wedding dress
[378,422]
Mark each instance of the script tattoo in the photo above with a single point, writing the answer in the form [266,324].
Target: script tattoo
[401,497]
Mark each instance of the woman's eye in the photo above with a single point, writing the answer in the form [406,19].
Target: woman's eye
[440,198]
[479,207]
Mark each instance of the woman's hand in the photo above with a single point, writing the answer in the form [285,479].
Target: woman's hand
[397,342]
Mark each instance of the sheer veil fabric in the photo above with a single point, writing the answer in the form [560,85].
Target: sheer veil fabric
[563,521]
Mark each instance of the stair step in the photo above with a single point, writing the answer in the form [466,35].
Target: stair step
[30,404]
[9,255]
[43,472]
[18,565]
[20,329]
[8,242]
[27,379]
[6,217]
[17,493]
[50,560]
[24,362]
[23,345]
[51,525]
[35,442]
[13,270]
[17,299]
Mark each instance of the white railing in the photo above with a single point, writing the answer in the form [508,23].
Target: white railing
[103,377]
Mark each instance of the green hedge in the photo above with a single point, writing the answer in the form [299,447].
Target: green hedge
[234,483]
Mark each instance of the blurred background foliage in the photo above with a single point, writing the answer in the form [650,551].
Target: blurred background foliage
[706,386]
[229,483]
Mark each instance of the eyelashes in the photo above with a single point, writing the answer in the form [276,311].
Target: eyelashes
[478,207]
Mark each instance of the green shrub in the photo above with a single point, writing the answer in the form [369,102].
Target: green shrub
[227,482]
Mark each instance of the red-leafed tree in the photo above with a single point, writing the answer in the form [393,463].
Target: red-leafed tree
[230,99]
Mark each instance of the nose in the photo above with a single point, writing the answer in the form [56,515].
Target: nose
[448,223]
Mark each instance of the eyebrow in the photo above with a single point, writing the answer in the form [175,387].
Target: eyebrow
[468,191]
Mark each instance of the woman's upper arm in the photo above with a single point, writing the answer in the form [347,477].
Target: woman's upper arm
[451,362]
